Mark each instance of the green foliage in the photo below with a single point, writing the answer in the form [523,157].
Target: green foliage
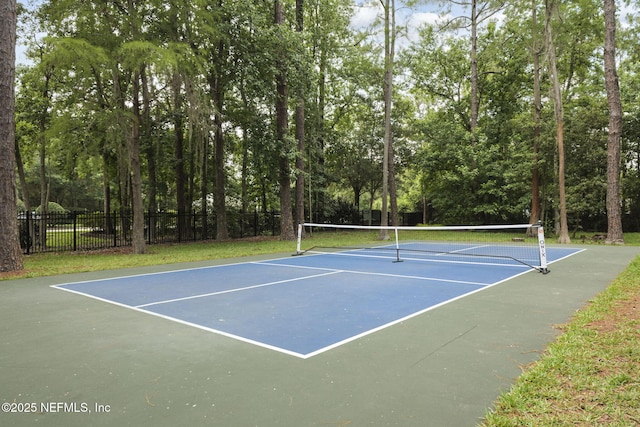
[208,66]
[52,207]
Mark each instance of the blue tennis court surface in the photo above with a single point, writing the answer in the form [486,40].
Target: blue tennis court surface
[307,304]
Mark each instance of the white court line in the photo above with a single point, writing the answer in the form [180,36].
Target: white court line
[184,322]
[440,260]
[470,248]
[399,276]
[271,263]
[237,289]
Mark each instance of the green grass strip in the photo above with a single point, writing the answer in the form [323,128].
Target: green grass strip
[55,263]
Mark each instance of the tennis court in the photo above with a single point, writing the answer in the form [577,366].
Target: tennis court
[305,305]
[103,364]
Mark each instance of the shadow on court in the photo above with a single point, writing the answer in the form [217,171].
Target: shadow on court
[67,360]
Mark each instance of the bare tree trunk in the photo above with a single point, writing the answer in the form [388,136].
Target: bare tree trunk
[300,132]
[22,178]
[204,160]
[557,100]
[137,234]
[137,230]
[393,192]
[150,150]
[181,177]
[389,44]
[10,255]
[122,136]
[106,188]
[534,217]
[474,69]
[319,139]
[614,214]
[42,149]
[222,232]
[282,125]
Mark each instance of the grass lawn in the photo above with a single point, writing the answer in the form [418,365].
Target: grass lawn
[48,264]
[589,376]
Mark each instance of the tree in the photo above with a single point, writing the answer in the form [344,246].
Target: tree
[215,48]
[300,133]
[10,255]
[388,178]
[282,128]
[480,12]
[333,49]
[37,89]
[535,216]
[614,214]
[133,140]
[203,88]
[557,101]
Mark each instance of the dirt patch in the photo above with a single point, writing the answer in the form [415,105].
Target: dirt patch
[120,250]
[624,312]
[13,274]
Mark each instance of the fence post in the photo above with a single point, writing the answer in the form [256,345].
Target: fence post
[75,231]
[115,229]
[29,234]
[194,234]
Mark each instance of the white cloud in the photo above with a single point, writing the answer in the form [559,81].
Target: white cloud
[365,15]
[417,20]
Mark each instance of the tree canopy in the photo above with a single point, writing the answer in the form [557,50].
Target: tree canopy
[164,105]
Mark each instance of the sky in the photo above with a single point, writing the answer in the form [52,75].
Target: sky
[366,12]
[426,12]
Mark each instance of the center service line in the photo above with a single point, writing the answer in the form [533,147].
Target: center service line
[237,289]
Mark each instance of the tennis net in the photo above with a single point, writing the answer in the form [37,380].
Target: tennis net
[516,244]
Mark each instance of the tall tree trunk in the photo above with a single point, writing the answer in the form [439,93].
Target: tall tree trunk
[393,196]
[148,141]
[222,232]
[393,192]
[181,177]
[221,209]
[244,176]
[557,100]
[537,108]
[282,126]
[42,149]
[122,137]
[22,178]
[106,189]
[204,160]
[10,255]
[389,49]
[300,132]
[614,214]
[137,235]
[149,145]
[474,70]
[137,205]
[106,157]
[319,140]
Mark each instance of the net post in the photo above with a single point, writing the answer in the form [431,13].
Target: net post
[542,249]
[299,243]
[395,229]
